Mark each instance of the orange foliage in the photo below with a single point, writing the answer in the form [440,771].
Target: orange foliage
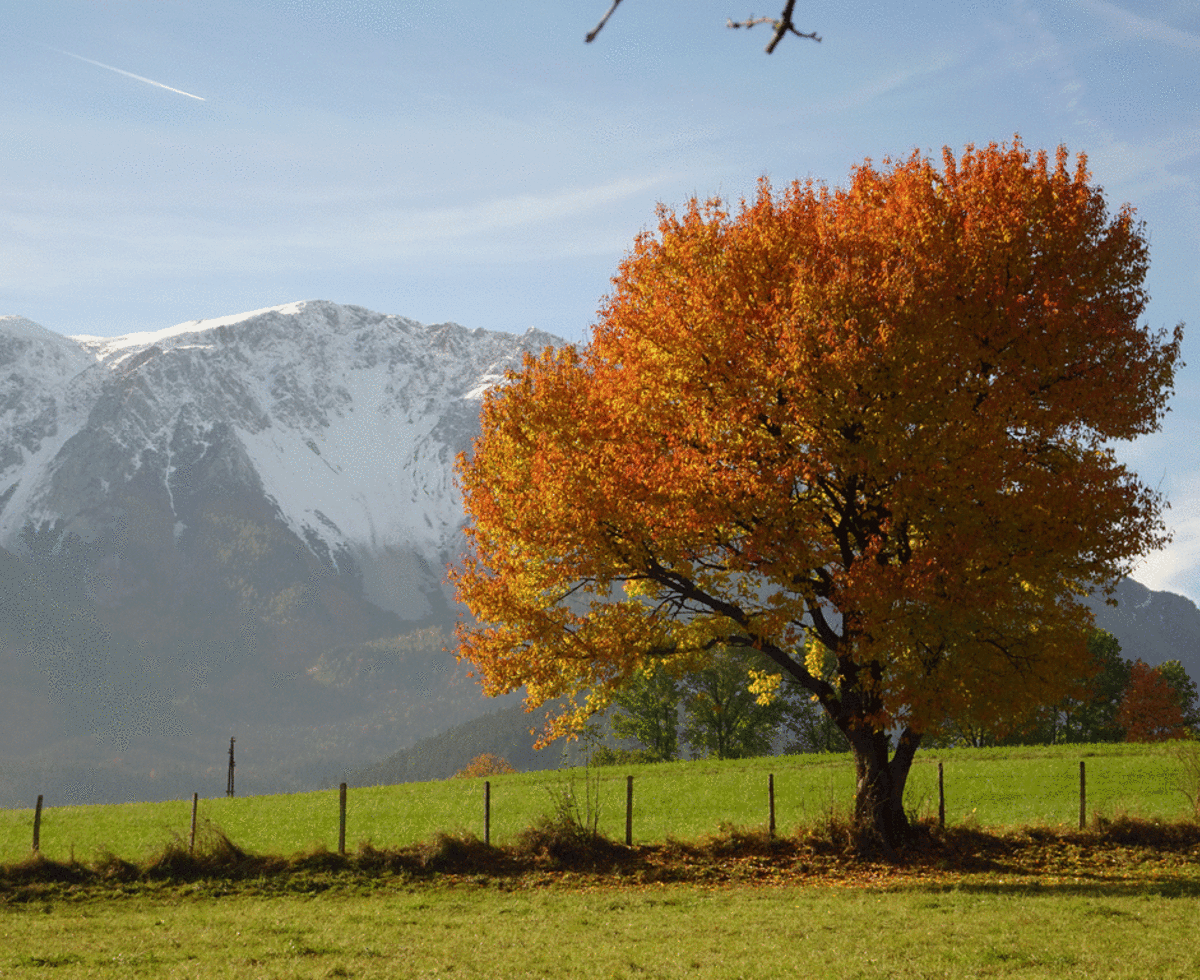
[868,424]
[1150,710]
[485,764]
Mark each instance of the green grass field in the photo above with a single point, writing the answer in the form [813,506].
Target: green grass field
[1046,904]
[669,932]
[685,800]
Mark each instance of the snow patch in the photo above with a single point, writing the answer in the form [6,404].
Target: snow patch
[107,346]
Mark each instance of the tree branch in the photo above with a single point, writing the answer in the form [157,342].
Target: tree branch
[782,26]
[603,20]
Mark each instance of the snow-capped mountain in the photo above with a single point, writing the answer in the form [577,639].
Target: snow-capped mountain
[347,421]
[236,526]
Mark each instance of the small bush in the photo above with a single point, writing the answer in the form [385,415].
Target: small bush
[36,867]
[1160,835]
[564,845]
[369,859]
[487,764]
[733,841]
[1187,754]
[110,867]
[319,859]
[214,854]
[456,854]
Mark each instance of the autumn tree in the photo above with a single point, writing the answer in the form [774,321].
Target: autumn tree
[878,417]
[1150,710]
[485,764]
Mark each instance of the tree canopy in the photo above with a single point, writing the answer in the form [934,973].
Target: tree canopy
[865,432]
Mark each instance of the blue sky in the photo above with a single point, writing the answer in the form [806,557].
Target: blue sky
[477,162]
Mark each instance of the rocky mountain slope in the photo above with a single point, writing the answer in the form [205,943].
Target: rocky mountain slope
[236,526]
[1153,626]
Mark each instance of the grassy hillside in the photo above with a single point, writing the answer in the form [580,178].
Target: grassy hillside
[993,787]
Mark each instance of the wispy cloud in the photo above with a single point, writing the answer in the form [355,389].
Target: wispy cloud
[1131,23]
[885,85]
[526,209]
[129,74]
[123,234]
[551,221]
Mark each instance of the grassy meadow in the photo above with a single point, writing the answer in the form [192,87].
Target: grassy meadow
[673,932]
[1008,890]
[991,788]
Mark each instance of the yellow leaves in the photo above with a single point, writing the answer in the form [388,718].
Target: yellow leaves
[639,587]
[764,686]
[817,659]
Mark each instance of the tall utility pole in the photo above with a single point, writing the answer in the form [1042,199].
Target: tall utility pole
[229,786]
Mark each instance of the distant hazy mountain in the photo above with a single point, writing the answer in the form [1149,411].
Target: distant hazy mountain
[504,732]
[232,527]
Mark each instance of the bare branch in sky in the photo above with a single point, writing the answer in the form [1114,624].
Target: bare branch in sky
[782,25]
[603,20]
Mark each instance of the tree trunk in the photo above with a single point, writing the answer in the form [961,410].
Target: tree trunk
[879,789]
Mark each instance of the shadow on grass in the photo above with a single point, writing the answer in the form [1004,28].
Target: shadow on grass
[1165,886]
[1113,857]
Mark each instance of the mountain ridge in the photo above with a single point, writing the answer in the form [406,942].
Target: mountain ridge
[382,401]
[216,507]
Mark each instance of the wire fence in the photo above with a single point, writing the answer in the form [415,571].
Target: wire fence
[480,822]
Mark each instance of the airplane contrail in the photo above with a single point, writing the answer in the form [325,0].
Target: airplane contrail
[121,71]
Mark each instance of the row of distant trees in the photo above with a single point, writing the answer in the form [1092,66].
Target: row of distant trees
[716,712]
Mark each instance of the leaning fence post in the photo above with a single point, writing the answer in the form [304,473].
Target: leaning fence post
[342,819]
[487,812]
[1082,796]
[629,811]
[941,798]
[192,835]
[771,802]
[37,825]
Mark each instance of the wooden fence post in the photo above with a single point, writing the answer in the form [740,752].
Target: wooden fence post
[629,811]
[487,812]
[771,802]
[232,764]
[1082,796]
[342,819]
[37,825]
[192,835]
[941,798]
